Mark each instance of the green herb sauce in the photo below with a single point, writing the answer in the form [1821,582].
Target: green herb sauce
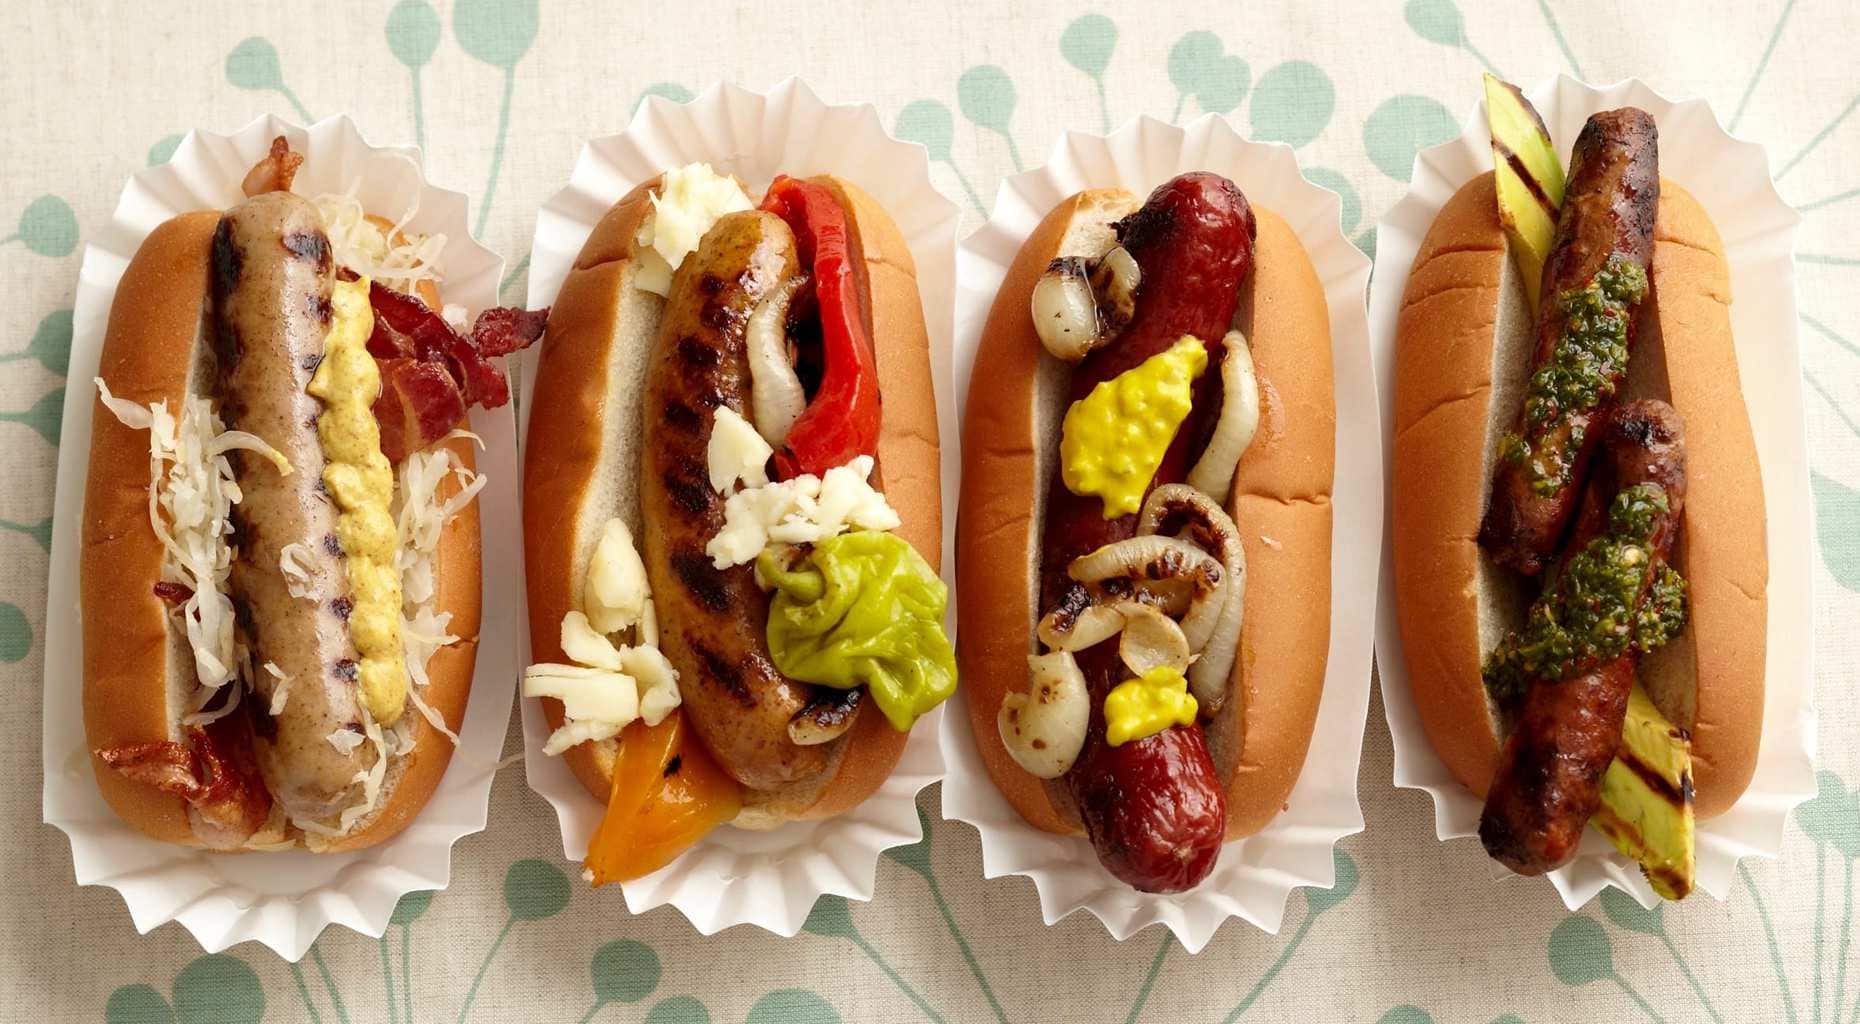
[1587,613]
[1589,357]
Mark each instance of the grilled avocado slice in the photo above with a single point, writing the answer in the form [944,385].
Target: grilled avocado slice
[1529,178]
[1647,798]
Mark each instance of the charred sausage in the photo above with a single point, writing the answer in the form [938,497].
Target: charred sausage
[1549,780]
[1593,282]
[740,704]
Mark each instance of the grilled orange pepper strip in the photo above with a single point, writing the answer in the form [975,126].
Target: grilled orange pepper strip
[667,794]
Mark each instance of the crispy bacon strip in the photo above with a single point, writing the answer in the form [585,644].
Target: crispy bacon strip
[431,375]
[213,770]
[275,172]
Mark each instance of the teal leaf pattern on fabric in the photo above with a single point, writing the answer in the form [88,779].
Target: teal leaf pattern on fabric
[254,65]
[832,918]
[1200,67]
[1556,31]
[623,971]
[535,890]
[1292,103]
[793,1006]
[1317,901]
[15,634]
[137,1004]
[1837,527]
[670,90]
[1403,126]
[929,124]
[411,907]
[499,33]
[50,344]
[163,150]
[47,227]
[40,531]
[1624,912]
[1352,211]
[678,1010]
[1087,44]
[218,989]
[1406,1014]
[985,95]
[1763,64]
[1580,953]
[413,33]
[1440,21]
[45,417]
[916,857]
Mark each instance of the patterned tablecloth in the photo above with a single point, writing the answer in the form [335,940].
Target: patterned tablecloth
[501,94]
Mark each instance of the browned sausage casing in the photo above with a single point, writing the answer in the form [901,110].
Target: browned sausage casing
[713,620]
[1608,209]
[1549,781]
[271,282]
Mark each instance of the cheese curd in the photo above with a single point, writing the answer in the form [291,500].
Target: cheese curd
[736,451]
[605,687]
[804,510]
[689,200]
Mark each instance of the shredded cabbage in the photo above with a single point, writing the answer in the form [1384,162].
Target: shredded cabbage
[191,495]
[369,251]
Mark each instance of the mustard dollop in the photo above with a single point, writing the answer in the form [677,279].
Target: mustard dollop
[1114,438]
[361,482]
[863,609]
[1147,705]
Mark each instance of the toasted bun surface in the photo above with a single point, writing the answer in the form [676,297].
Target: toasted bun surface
[1462,354]
[138,670]
[1281,503]
[581,465]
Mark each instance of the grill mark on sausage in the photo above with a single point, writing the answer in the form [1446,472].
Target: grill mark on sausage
[312,361]
[710,284]
[717,315]
[342,607]
[228,262]
[320,310]
[682,417]
[345,670]
[672,766]
[309,245]
[703,581]
[695,353]
[332,545]
[719,670]
[687,483]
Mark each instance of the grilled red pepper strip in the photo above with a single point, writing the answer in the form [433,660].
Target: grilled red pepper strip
[842,420]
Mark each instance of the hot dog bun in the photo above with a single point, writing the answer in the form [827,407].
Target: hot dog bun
[138,670]
[1463,342]
[1281,503]
[581,462]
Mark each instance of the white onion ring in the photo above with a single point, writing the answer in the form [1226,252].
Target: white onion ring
[776,396]
[1207,677]
[1146,561]
[1114,281]
[1065,315]
[1044,729]
[1236,425]
[1090,626]
[1151,640]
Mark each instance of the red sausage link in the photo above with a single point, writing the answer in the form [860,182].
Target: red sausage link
[1154,808]
[1549,781]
